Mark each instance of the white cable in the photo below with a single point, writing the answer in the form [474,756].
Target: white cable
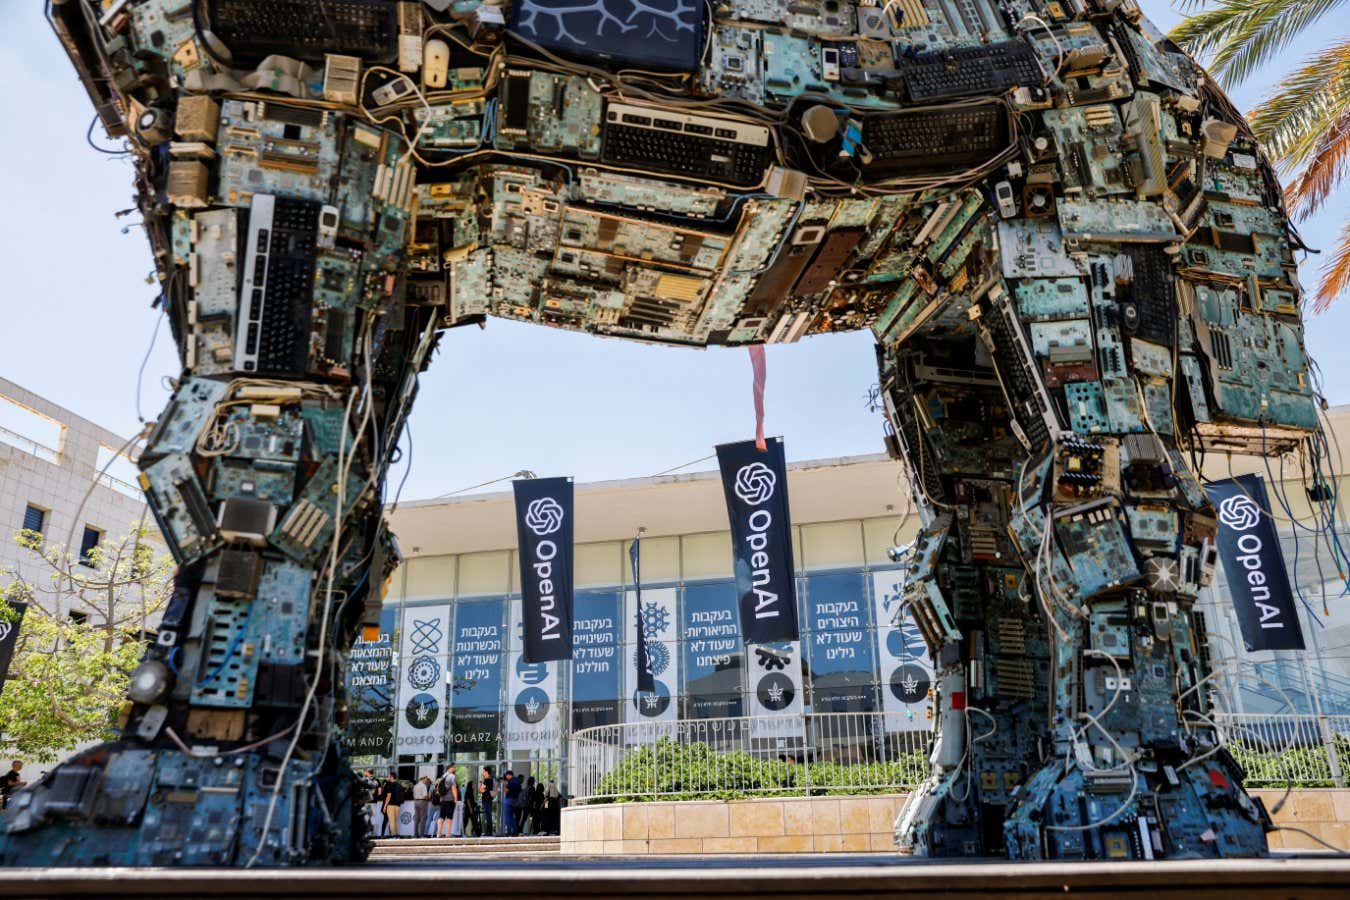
[323,623]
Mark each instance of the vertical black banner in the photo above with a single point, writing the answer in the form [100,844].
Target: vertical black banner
[544,535]
[646,677]
[9,635]
[1250,549]
[755,483]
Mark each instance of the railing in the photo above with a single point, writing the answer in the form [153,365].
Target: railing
[122,487]
[844,753]
[1276,750]
[821,753]
[30,446]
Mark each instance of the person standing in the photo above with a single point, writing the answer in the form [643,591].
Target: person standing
[468,803]
[525,817]
[510,803]
[421,794]
[11,782]
[552,809]
[449,788]
[388,806]
[486,790]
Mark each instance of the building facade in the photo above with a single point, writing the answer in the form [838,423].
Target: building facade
[51,482]
[455,616]
[447,681]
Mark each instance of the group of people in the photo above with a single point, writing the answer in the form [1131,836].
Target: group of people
[446,807]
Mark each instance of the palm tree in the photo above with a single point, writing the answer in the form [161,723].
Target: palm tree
[1305,123]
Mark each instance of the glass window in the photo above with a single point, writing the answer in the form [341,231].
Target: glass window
[88,544]
[34,519]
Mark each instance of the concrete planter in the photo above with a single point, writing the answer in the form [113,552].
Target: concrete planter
[763,825]
[847,824]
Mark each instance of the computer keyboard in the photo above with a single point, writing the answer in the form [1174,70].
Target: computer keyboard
[273,338]
[924,141]
[969,71]
[306,29]
[700,147]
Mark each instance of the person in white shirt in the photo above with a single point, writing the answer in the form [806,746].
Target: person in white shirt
[421,804]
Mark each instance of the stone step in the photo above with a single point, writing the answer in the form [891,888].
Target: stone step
[441,848]
[480,842]
[431,855]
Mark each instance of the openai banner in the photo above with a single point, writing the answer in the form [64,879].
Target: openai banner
[904,665]
[9,636]
[1254,565]
[544,537]
[755,484]
[425,656]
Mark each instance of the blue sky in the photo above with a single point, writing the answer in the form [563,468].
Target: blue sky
[77,322]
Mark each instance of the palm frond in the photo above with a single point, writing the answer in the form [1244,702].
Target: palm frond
[1307,104]
[1243,35]
[1325,170]
[1335,274]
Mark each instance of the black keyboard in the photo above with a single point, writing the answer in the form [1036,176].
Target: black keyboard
[306,29]
[697,147]
[279,314]
[925,141]
[969,71]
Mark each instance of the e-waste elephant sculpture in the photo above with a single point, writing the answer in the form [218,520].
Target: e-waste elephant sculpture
[1074,258]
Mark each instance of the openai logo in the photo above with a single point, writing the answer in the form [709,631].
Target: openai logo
[543,516]
[5,629]
[755,483]
[1239,512]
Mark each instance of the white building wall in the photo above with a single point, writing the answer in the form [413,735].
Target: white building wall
[57,479]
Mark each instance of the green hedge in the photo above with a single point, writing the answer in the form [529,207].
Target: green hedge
[1273,768]
[695,771]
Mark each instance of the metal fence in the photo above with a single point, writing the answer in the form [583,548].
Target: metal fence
[825,753]
[820,753]
[1275,750]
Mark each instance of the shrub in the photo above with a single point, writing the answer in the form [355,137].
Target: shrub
[695,771]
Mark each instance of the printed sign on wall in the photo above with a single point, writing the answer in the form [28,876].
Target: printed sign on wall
[370,689]
[661,632]
[476,681]
[712,652]
[532,696]
[905,667]
[424,653]
[840,653]
[597,682]
[774,689]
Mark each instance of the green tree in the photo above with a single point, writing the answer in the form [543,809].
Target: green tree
[1304,123]
[81,636]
